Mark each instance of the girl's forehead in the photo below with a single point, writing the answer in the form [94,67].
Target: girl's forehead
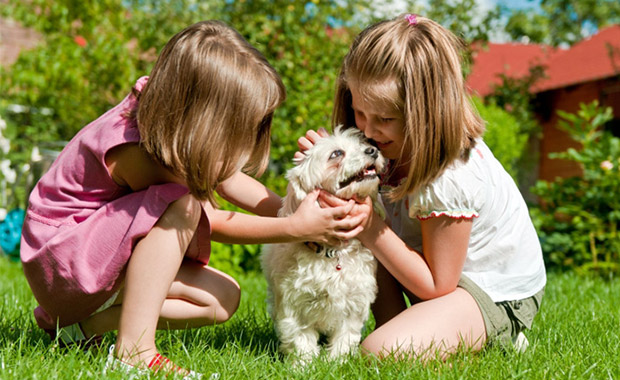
[379,98]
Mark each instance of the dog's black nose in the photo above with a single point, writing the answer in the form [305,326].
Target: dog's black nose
[372,152]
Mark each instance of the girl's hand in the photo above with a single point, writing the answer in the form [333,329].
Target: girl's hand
[306,142]
[329,225]
[362,206]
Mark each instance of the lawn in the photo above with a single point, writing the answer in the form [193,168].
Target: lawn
[576,336]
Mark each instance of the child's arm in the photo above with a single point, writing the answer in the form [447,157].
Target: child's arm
[444,242]
[249,194]
[310,222]
[437,272]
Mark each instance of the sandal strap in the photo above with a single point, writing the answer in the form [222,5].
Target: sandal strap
[159,362]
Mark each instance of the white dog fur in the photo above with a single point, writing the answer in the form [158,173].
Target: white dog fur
[330,291]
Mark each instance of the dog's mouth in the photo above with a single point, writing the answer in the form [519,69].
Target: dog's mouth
[369,172]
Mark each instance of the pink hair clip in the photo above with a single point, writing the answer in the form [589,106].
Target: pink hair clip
[413,20]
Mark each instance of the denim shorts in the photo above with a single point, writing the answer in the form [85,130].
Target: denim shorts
[503,320]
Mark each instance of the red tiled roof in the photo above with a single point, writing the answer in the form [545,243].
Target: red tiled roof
[585,61]
[593,58]
[512,60]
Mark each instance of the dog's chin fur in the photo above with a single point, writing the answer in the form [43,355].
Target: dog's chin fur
[310,293]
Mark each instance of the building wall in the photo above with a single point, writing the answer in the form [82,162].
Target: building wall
[14,38]
[568,100]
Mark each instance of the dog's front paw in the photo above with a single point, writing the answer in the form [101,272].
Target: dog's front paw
[302,344]
[300,354]
[343,345]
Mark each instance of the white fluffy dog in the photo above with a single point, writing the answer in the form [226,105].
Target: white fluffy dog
[316,289]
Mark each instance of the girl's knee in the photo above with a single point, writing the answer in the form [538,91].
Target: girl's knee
[225,298]
[184,213]
[377,345]
[370,347]
[229,301]
[216,293]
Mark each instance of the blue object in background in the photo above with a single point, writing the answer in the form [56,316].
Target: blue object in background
[11,231]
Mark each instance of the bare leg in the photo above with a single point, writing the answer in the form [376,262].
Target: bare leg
[152,268]
[199,296]
[439,325]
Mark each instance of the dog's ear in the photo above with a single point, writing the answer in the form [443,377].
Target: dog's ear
[291,201]
[298,183]
[302,179]
[295,191]
[298,160]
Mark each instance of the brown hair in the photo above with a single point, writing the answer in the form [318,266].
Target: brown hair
[416,69]
[206,109]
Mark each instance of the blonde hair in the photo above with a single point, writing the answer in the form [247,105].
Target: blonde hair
[206,109]
[416,70]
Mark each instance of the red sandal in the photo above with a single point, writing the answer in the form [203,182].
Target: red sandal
[162,363]
[158,363]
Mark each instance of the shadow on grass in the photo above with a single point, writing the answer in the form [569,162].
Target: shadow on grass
[250,331]
[25,334]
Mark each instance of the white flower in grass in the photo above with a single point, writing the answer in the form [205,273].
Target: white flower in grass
[3,214]
[17,108]
[46,111]
[607,165]
[7,172]
[5,144]
[35,156]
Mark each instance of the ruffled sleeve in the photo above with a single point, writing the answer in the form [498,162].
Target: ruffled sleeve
[457,193]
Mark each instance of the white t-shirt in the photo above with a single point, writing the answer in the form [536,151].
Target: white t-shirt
[504,257]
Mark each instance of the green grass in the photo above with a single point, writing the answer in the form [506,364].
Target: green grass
[575,336]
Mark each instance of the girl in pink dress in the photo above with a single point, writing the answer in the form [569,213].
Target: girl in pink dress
[117,233]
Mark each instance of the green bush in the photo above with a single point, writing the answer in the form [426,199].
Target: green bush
[503,135]
[93,51]
[81,68]
[578,217]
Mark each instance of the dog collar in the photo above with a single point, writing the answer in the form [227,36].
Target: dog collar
[320,249]
[324,251]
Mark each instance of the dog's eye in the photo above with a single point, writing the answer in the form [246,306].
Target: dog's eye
[336,153]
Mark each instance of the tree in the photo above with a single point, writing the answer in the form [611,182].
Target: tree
[562,21]
[465,18]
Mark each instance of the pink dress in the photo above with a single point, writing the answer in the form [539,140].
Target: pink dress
[81,227]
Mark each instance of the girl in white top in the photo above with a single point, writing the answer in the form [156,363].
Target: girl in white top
[458,239]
